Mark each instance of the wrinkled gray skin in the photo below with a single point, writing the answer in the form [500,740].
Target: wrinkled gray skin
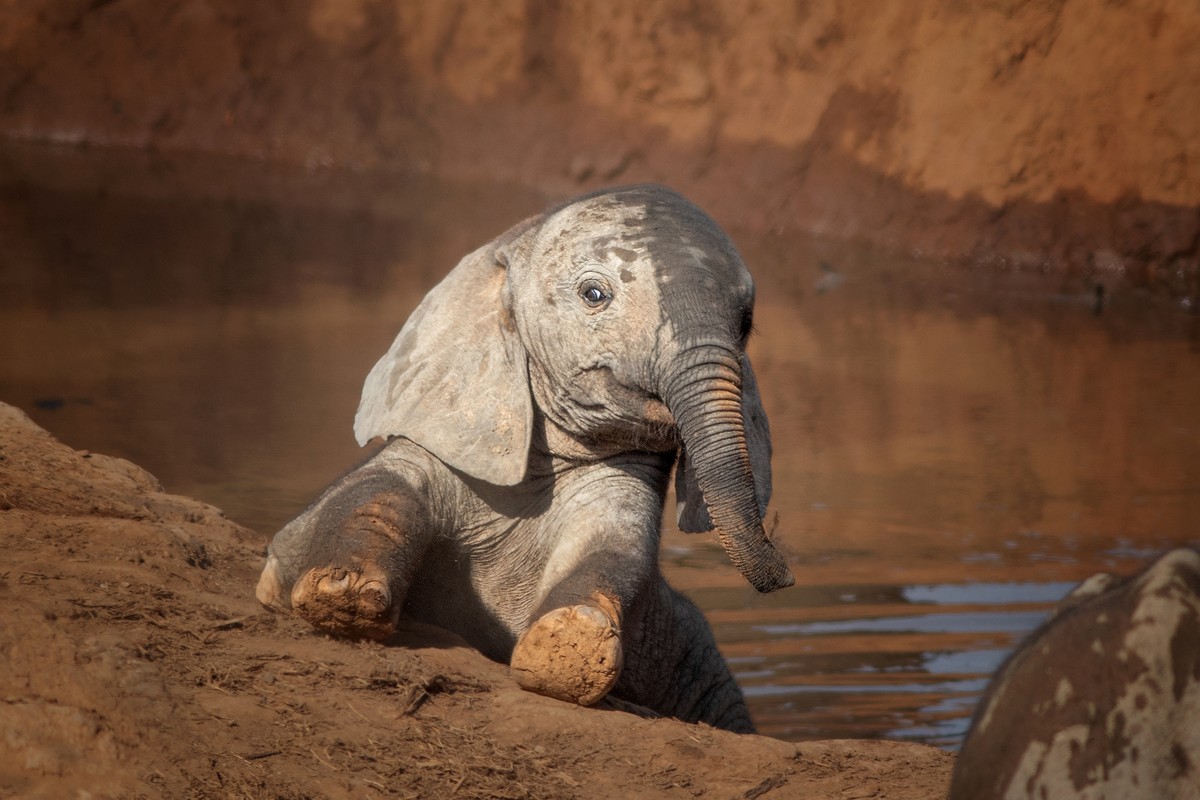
[539,397]
[1102,702]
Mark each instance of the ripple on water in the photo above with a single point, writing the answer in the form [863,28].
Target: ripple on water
[909,669]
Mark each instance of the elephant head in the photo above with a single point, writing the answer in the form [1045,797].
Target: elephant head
[619,321]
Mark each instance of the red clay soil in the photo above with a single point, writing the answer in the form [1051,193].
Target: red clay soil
[136,663]
[1055,135]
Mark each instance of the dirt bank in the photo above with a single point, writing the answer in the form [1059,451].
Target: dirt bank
[137,664]
[1037,134]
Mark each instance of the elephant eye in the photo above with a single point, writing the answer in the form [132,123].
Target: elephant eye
[594,294]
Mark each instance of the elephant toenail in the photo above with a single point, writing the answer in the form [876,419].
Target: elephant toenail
[374,597]
[334,583]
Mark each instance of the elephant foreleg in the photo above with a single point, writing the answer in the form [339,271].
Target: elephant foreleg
[345,565]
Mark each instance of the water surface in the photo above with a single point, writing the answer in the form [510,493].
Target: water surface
[953,450]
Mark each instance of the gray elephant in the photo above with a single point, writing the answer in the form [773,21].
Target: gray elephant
[535,403]
[1102,702]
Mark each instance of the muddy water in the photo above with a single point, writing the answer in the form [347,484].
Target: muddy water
[952,451]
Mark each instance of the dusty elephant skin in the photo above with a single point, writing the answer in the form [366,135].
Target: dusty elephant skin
[1103,701]
[536,402]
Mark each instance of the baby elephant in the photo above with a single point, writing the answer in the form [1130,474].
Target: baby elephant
[535,403]
[1103,701]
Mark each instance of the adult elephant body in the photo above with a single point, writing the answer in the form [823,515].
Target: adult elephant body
[536,402]
[1102,701]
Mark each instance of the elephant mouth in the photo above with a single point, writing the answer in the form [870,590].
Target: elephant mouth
[607,409]
[656,413]
[649,423]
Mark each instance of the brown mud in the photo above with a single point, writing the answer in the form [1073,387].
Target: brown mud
[1057,135]
[138,664]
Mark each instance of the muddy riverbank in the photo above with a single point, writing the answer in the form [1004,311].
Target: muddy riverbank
[137,664]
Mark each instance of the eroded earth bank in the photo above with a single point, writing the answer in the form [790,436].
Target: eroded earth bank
[138,664]
[1057,135]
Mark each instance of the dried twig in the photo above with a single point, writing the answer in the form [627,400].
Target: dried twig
[774,782]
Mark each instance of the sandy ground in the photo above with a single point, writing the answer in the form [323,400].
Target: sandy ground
[138,664]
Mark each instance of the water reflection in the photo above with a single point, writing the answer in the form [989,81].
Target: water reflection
[978,622]
[952,452]
[920,664]
[983,592]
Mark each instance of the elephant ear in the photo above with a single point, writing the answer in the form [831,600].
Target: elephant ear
[456,380]
[690,508]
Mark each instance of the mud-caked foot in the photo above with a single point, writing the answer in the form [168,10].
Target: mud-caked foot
[571,653]
[346,601]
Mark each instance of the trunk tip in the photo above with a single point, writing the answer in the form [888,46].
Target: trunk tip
[772,580]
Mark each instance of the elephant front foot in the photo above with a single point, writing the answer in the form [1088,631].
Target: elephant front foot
[571,653]
[346,601]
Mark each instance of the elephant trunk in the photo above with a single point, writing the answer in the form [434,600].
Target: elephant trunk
[705,398]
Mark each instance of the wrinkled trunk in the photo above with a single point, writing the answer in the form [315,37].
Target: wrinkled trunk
[705,398]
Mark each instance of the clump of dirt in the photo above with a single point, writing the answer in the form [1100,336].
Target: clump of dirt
[137,664]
